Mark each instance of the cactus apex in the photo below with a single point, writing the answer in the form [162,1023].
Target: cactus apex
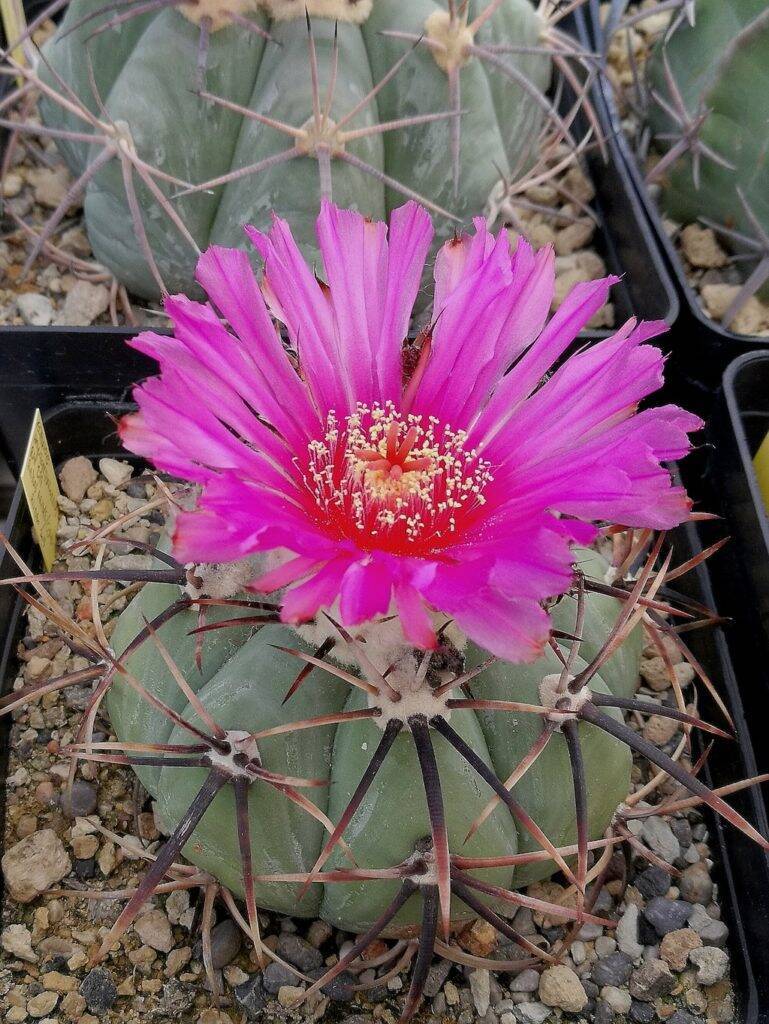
[353,11]
[218,12]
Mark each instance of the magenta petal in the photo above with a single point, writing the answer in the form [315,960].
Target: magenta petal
[415,621]
[372,285]
[292,570]
[515,630]
[203,537]
[307,315]
[301,603]
[365,592]
[229,281]
[582,302]
[485,322]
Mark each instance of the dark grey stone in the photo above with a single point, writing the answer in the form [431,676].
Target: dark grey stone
[251,996]
[175,999]
[226,940]
[666,915]
[684,1017]
[85,868]
[682,830]
[275,976]
[655,881]
[436,977]
[299,952]
[614,969]
[641,1013]
[603,1013]
[340,989]
[99,990]
[81,802]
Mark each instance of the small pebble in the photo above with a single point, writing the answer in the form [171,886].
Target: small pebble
[480,990]
[16,940]
[99,990]
[659,837]
[297,951]
[251,998]
[34,864]
[76,476]
[666,915]
[117,473]
[617,998]
[676,946]
[695,884]
[650,980]
[35,310]
[653,882]
[154,929]
[560,987]
[626,933]
[226,941]
[712,964]
[614,969]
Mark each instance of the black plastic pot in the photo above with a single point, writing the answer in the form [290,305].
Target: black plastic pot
[86,427]
[41,368]
[739,427]
[703,347]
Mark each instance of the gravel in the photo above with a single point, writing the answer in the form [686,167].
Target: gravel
[608,972]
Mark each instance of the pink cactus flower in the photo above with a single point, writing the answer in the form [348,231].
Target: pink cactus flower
[457,487]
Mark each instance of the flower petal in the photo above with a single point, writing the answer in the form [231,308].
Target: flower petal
[301,603]
[365,591]
[485,322]
[415,622]
[373,284]
[307,315]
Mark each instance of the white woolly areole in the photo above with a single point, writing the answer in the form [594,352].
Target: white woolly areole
[416,696]
[217,11]
[453,35]
[241,743]
[354,11]
[563,703]
[222,579]
[383,637]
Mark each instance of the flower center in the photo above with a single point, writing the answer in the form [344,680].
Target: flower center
[405,484]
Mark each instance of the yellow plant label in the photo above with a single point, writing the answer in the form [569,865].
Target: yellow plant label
[761,466]
[14,26]
[41,489]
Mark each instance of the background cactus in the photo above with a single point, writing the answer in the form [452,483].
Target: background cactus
[705,78]
[180,122]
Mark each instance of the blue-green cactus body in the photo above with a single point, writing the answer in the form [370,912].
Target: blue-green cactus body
[144,72]
[242,684]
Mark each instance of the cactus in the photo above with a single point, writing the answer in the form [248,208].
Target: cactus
[180,121]
[703,79]
[427,714]
[242,685]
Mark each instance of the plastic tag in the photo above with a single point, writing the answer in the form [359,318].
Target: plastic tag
[41,489]
[14,26]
